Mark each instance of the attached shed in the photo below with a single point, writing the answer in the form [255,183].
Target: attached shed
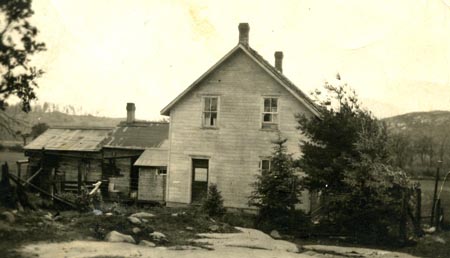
[65,158]
[152,165]
[126,144]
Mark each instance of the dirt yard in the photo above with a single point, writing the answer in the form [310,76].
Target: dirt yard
[154,232]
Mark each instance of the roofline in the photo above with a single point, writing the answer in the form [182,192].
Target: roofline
[128,147]
[166,110]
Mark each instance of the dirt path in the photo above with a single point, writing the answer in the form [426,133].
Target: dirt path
[247,243]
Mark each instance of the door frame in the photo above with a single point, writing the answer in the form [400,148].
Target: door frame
[192,158]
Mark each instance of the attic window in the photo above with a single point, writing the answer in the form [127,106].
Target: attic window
[270,114]
[210,110]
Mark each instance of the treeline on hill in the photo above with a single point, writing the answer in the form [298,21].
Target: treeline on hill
[418,141]
[50,114]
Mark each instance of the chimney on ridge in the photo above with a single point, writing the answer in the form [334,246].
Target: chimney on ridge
[279,61]
[244,29]
[130,112]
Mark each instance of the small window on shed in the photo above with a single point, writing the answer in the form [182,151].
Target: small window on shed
[162,171]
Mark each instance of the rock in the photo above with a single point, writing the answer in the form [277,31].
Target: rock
[9,217]
[108,214]
[189,228]
[136,230]
[275,235]
[115,236]
[439,239]
[97,212]
[147,243]
[142,215]
[174,214]
[429,230]
[144,220]
[158,236]
[213,228]
[48,216]
[134,220]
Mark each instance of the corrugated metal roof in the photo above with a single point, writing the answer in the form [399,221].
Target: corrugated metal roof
[153,158]
[139,135]
[70,139]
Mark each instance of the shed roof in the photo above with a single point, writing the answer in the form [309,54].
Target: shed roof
[153,158]
[71,139]
[139,135]
[272,71]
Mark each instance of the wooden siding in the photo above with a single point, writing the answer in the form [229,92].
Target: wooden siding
[151,185]
[235,148]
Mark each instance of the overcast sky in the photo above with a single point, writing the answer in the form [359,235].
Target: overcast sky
[104,53]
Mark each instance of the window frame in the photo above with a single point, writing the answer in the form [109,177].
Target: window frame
[270,125]
[204,125]
[262,159]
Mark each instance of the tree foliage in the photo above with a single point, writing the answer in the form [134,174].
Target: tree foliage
[213,203]
[38,129]
[17,44]
[276,191]
[346,158]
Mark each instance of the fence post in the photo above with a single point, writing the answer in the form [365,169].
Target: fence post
[434,195]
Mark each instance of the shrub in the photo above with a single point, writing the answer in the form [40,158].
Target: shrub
[17,148]
[213,203]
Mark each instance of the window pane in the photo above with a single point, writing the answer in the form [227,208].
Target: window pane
[266,105]
[206,118]
[213,104]
[207,105]
[274,106]
[265,164]
[213,120]
[267,117]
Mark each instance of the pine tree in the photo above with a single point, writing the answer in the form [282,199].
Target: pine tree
[213,203]
[276,191]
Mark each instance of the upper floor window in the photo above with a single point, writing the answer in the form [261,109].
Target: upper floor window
[210,110]
[270,114]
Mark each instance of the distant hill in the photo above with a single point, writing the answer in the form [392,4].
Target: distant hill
[52,118]
[422,139]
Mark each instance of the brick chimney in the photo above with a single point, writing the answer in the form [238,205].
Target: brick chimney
[279,61]
[130,112]
[244,29]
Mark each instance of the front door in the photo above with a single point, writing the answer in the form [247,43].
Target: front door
[199,179]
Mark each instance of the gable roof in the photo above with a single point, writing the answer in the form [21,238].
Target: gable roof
[138,135]
[71,139]
[272,71]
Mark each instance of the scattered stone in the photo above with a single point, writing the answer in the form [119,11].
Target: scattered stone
[142,215]
[275,234]
[144,220]
[115,236]
[189,228]
[14,212]
[158,236]
[48,216]
[108,214]
[214,228]
[136,230]
[97,212]
[439,239]
[134,220]
[429,230]
[174,214]
[9,217]
[147,243]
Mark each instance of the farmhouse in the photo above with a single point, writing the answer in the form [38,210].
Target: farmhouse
[222,125]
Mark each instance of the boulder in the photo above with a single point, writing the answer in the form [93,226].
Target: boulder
[8,216]
[189,228]
[136,230]
[275,234]
[142,215]
[147,243]
[158,236]
[214,228]
[115,236]
[134,220]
